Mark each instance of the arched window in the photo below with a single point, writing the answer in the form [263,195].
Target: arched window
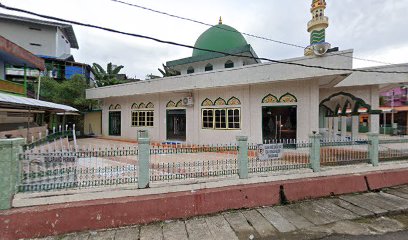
[150,105]
[179,103]
[220,102]
[208,67]
[288,98]
[270,99]
[170,104]
[229,64]
[190,70]
[233,101]
[207,102]
[135,106]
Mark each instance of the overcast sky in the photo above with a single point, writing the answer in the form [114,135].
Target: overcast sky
[375,29]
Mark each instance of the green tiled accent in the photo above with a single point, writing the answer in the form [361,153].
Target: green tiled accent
[373,148]
[10,150]
[318,36]
[144,163]
[242,156]
[315,152]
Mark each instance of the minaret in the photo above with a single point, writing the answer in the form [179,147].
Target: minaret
[317,28]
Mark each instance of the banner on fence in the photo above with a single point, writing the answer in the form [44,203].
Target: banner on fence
[270,151]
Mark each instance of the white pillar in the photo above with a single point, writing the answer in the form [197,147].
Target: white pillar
[343,126]
[330,127]
[355,122]
[384,122]
[335,127]
[374,123]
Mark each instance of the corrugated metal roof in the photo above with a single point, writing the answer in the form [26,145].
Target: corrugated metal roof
[66,28]
[12,100]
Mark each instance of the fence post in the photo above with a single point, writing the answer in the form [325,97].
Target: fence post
[144,162]
[10,150]
[242,156]
[315,151]
[373,143]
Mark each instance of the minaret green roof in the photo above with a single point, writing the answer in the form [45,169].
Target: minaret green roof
[220,37]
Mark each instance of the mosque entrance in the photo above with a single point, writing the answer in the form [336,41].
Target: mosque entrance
[176,125]
[115,123]
[279,123]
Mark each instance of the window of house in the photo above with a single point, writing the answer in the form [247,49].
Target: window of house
[208,67]
[142,118]
[229,64]
[208,118]
[221,118]
[190,70]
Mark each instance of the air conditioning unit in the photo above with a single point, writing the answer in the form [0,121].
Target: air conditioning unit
[188,101]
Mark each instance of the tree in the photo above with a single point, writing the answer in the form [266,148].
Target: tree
[108,77]
[69,92]
[168,72]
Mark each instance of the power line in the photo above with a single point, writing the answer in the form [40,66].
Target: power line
[189,46]
[229,30]
[206,24]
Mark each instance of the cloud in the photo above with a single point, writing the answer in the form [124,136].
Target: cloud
[374,28]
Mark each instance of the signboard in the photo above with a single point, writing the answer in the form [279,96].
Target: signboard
[270,151]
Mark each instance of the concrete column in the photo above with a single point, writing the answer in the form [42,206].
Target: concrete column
[330,127]
[144,163]
[9,170]
[242,156]
[373,148]
[326,122]
[374,123]
[343,126]
[315,152]
[335,127]
[355,125]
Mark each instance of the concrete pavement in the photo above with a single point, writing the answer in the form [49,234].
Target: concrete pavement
[367,214]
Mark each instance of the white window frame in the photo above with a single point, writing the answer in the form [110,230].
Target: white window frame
[226,109]
[138,122]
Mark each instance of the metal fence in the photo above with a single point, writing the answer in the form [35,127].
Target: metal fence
[46,168]
[343,152]
[293,155]
[186,161]
[44,171]
[392,148]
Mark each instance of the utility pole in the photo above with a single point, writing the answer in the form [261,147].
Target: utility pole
[39,86]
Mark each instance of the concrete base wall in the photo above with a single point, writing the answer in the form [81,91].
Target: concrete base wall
[57,219]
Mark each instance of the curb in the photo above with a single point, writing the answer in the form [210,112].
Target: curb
[40,221]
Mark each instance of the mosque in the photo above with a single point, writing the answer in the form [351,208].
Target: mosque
[218,97]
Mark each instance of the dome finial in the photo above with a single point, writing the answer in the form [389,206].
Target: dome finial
[220,21]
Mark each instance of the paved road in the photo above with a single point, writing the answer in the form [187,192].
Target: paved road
[349,216]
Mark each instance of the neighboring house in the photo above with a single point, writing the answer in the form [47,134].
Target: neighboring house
[217,98]
[21,116]
[394,103]
[51,41]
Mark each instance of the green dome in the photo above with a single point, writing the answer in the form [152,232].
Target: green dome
[218,39]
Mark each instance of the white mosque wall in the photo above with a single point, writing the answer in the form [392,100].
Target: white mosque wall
[250,74]
[218,64]
[306,92]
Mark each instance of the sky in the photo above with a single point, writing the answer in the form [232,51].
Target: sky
[375,29]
